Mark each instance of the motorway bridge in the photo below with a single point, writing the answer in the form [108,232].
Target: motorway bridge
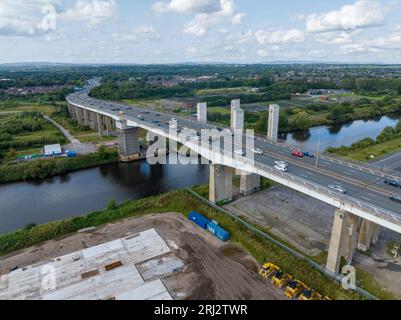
[360,212]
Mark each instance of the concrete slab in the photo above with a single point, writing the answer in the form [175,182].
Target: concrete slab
[101,272]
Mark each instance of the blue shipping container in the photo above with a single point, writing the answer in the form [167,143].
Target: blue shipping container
[218,231]
[199,219]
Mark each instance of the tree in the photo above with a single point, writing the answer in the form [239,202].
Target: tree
[11,154]
[301,121]
[102,152]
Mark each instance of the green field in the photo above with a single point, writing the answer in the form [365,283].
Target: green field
[377,150]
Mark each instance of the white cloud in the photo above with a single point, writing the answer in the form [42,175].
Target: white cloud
[361,14]
[337,37]
[392,42]
[238,18]
[92,12]
[186,6]
[208,13]
[142,33]
[24,17]
[279,36]
[262,53]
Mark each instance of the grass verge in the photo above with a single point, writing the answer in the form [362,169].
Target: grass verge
[178,201]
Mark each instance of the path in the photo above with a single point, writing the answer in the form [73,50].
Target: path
[75,144]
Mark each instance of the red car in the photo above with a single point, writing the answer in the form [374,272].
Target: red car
[297,153]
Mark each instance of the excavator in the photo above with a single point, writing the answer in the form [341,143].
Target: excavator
[294,288]
[268,269]
[280,279]
[310,294]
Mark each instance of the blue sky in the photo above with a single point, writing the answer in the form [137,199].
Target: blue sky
[170,31]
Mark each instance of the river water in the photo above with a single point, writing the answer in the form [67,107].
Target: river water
[340,135]
[90,190]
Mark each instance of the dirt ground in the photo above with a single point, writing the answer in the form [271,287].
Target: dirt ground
[306,224]
[213,269]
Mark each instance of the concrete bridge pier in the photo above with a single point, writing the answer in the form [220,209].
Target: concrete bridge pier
[344,238]
[109,126]
[220,183]
[369,235]
[250,183]
[86,117]
[100,125]
[129,142]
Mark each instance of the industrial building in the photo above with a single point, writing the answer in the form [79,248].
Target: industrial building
[130,268]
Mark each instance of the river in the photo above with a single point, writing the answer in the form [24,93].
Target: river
[90,190]
[340,135]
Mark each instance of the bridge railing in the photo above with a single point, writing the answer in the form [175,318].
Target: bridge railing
[343,199]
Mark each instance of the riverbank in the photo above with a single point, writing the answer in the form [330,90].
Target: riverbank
[44,168]
[183,202]
[388,142]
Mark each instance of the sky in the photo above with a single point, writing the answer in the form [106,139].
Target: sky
[174,31]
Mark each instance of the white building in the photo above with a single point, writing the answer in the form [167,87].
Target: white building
[53,150]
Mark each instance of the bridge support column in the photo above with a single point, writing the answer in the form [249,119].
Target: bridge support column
[250,183]
[86,117]
[70,111]
[100,125]
[343,241]
[369,235]
[273,122]
[109,126]
[129,142]
[237,115]
[220,183]
[79,117]
[202,112]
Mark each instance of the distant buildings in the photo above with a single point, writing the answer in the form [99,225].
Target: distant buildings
[31,90]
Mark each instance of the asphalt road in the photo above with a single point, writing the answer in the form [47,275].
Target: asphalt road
[392,162]
[360,184]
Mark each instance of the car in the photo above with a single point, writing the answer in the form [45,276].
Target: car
[393,182]
[258,151]
[297,153]
[140,117]
[308,154]
[396,198]
[240,152]
[281,168]
[338,188]
[156,121]
[174,119]
[281,163]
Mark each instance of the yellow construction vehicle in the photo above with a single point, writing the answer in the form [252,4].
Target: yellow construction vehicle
[294,289]
[310,294]
[281,279]
[268,269]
